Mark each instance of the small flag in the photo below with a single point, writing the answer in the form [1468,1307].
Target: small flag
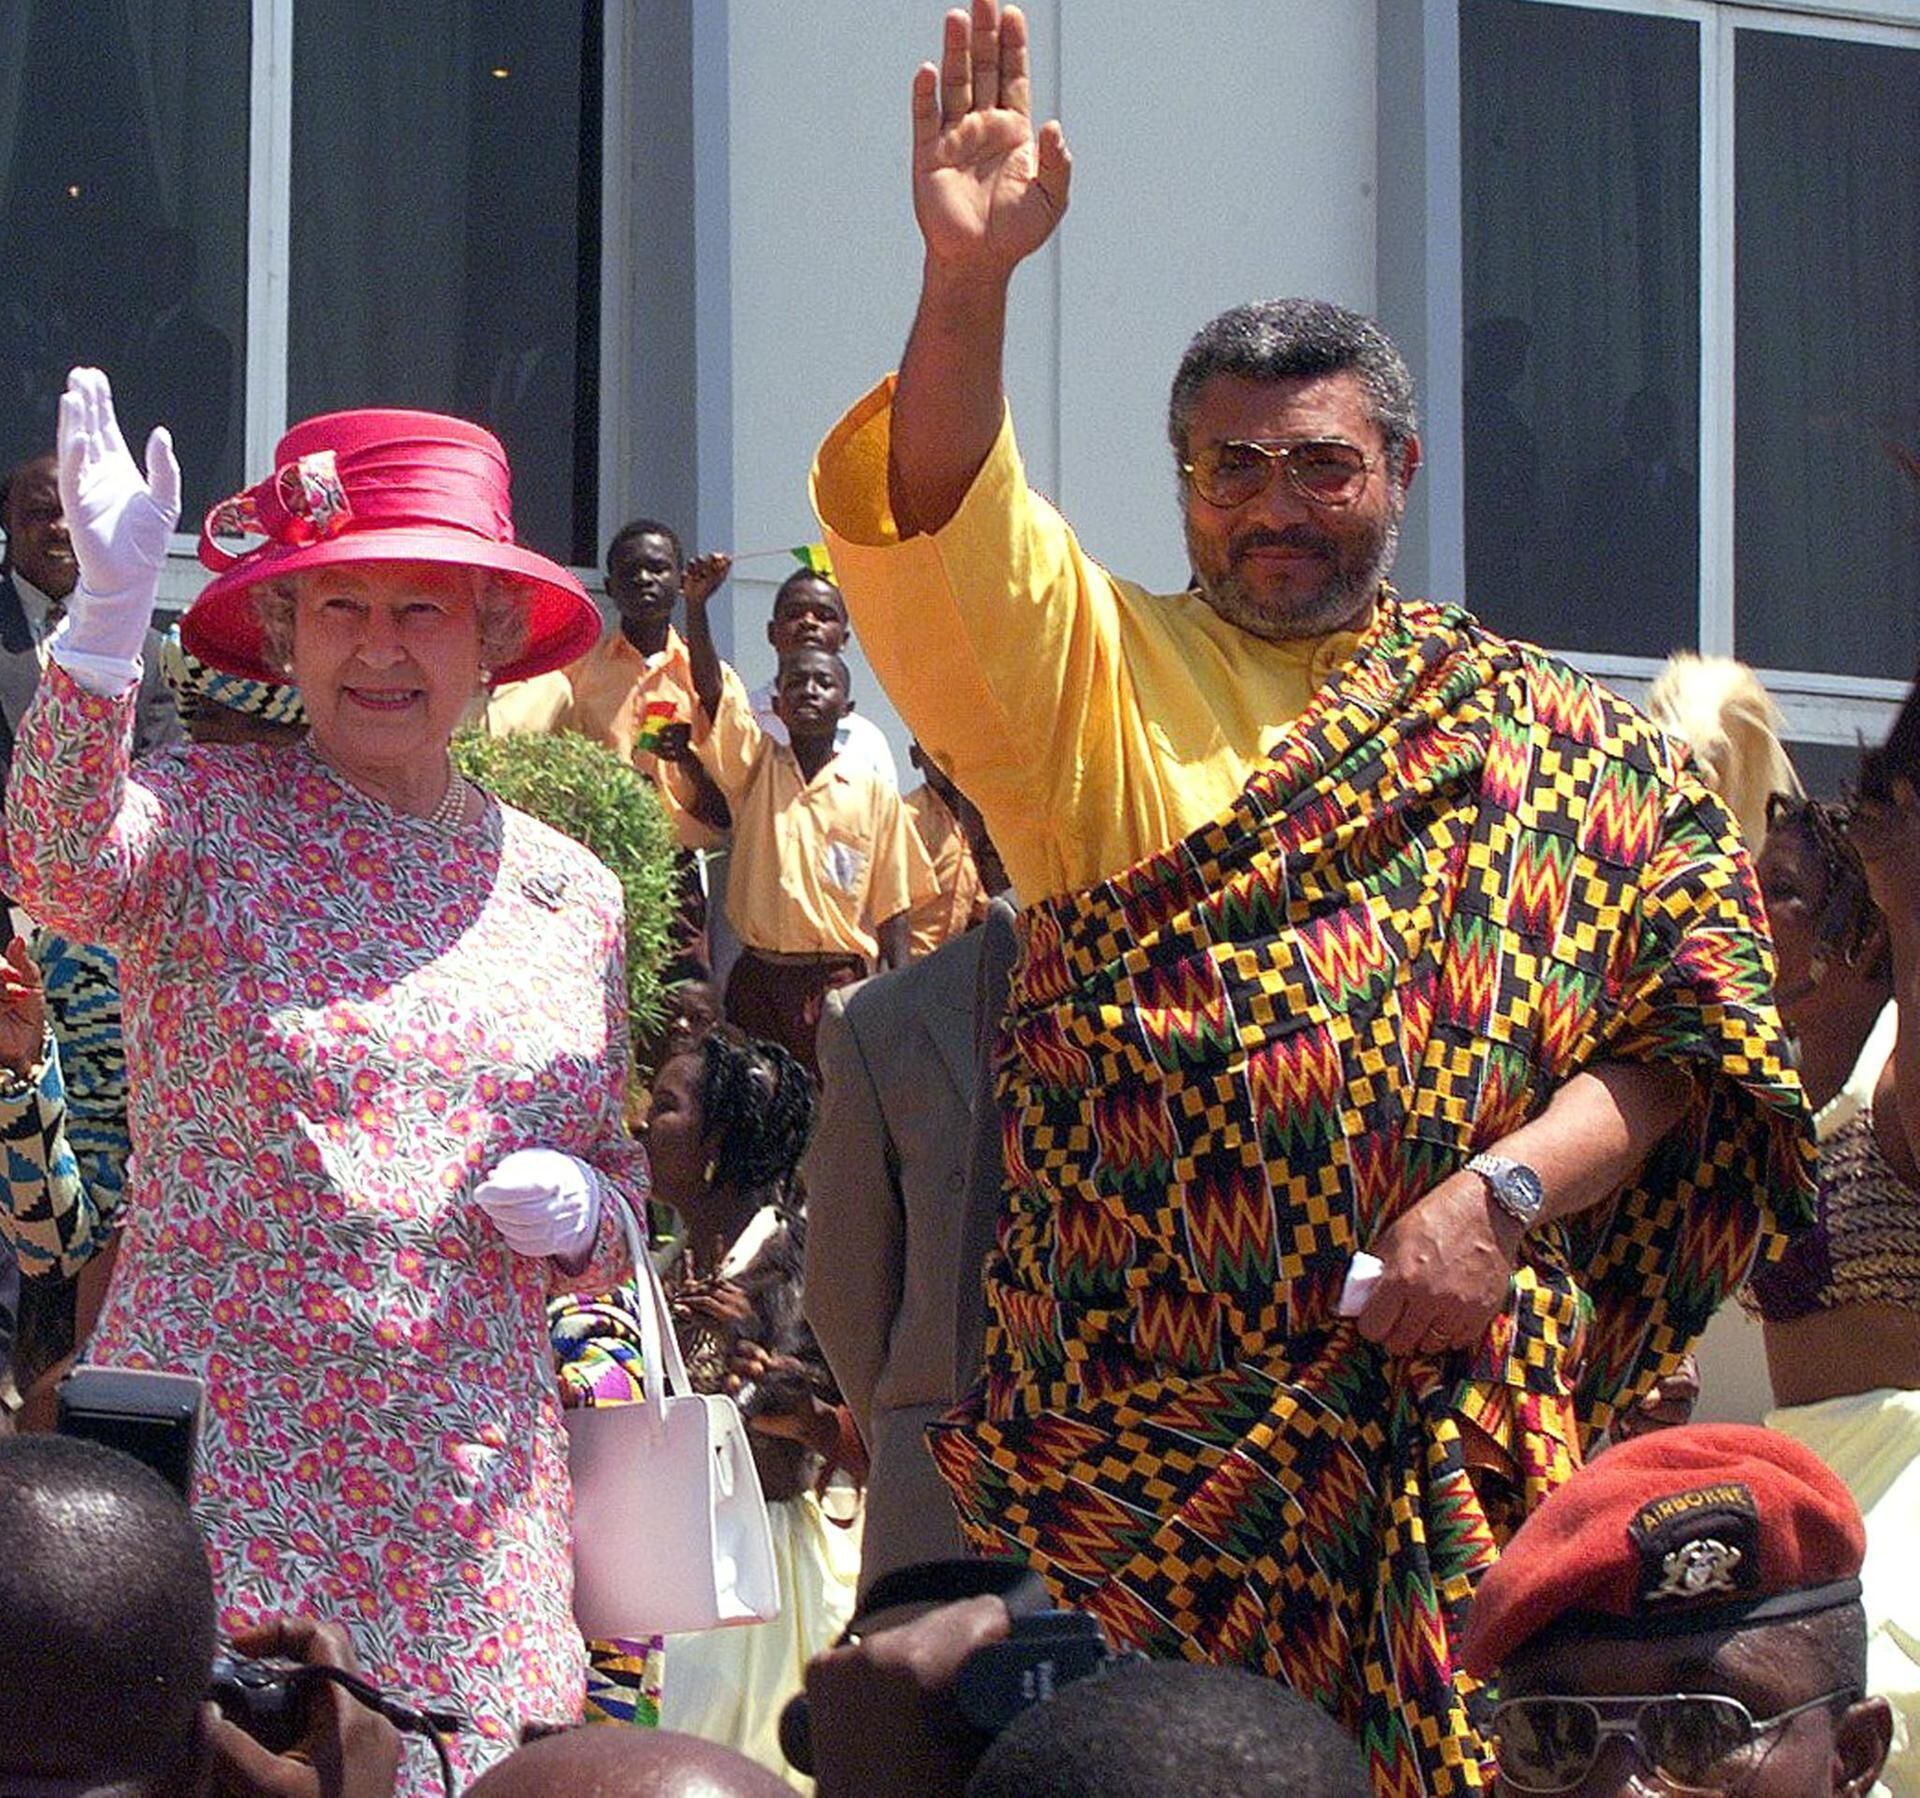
[814,559]
[654,721]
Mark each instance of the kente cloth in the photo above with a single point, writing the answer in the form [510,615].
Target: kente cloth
[597,1352]
[1467,873]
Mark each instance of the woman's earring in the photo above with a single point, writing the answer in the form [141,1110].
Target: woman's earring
[713,1164]
[486,677]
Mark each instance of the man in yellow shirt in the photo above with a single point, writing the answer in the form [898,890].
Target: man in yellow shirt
[1390,991]
[825,866]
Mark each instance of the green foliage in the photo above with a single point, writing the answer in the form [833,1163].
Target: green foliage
[590,794]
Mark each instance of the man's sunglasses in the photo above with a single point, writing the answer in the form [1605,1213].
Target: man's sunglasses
[1699,1740]
[1324,470]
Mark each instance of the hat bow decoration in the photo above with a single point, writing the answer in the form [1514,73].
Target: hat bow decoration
[303,501]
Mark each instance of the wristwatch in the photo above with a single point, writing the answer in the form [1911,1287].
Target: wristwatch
[1515,1187]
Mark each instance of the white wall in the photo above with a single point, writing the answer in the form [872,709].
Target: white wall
[1220,155]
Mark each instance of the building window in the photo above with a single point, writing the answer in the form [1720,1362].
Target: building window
[1690,314]
[251,211]
[123,221]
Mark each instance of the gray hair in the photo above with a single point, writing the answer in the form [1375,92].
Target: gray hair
[1294,340]
[500,612]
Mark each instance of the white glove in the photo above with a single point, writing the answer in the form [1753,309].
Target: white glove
[119,523]
[543,1202]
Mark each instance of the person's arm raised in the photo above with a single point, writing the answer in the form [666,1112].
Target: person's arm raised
[698,585]
[987,193]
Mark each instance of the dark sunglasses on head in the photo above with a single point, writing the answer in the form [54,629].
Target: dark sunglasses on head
[1550,1743]
[1323,470]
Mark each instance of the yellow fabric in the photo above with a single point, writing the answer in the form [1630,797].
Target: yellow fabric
[817,864]
[605,696]
[961,901]
[1872,1441]
[1093,723]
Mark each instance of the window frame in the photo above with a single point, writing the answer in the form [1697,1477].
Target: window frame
[1818,707]
[269,224]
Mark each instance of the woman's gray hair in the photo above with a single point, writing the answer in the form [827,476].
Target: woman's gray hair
[500,612]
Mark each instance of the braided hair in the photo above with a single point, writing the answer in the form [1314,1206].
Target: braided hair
[1848,914]
[758,1104]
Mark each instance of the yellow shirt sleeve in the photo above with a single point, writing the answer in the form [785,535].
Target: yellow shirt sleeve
[734,741]
[531,708]
[1092,722]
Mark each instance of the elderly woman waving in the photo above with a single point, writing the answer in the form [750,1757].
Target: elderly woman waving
[376,1039]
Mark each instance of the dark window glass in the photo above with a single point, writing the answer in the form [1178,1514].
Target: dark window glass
[123,223]
[1580,156]
[445,232]
[1827,224]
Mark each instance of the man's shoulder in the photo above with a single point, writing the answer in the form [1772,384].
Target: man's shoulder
[947,975]
[1576,705]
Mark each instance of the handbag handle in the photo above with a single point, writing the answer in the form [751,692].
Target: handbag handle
[663,1369]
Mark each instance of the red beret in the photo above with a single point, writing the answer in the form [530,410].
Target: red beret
[1701,1527]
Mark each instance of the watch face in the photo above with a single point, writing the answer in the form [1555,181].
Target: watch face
[1524,1195]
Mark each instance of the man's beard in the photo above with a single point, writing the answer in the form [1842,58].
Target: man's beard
[1341,601]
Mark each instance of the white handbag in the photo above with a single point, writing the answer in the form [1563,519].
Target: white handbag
[669,1525]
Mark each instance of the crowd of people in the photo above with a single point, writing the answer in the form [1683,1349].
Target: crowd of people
[1204,1205]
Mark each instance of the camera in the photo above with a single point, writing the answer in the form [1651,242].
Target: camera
[265,1698]
[154,1417]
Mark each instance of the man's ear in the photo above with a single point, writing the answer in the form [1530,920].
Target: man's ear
[1409,464]
[770,636]
[1860,1742]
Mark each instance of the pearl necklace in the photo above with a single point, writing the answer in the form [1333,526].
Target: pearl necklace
[452,807]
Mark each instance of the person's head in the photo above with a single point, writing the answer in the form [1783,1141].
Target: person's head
[1686,1607]
[388,583]
[811,692]
[1829,939]
[1172,1730]
[387,656]
[109,1621]
[808,613]
[1720,710]
[222,708]
[693,1012]
[594,1762]
[38,547]
[1293,431]
[733,1114]
[644,565]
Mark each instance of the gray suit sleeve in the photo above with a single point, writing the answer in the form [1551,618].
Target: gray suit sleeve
[856,1222]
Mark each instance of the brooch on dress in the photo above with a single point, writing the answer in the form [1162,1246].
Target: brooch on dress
[546,890]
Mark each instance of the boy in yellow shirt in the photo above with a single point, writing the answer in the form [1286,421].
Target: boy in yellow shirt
[825,866]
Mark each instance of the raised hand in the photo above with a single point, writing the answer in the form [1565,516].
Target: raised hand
[119,520]
[704,577]
[23,1011]
[987,191]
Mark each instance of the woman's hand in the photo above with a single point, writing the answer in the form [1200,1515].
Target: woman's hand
[23,1011]
[719,1304]
[543,1202]
[118,520]
[783,1402]
[987,192]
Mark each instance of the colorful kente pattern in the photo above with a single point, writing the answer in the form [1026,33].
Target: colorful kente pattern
[1468,873]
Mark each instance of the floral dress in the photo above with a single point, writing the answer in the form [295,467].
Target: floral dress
[338,1019]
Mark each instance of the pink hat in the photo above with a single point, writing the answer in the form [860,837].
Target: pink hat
[379,486]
